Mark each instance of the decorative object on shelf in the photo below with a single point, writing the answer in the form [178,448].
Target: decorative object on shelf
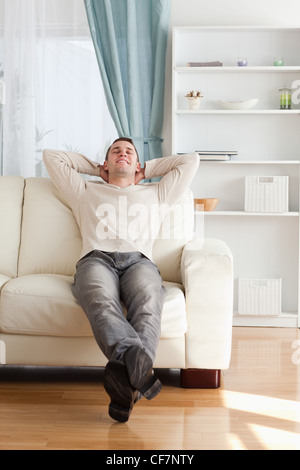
[278,61]
[285,95]
[194,98]
[205,64]
[266,193]
[259,297]
[242,61]
[207,204]
[238,105]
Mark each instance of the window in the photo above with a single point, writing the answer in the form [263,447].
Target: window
[54,93]
[72,110]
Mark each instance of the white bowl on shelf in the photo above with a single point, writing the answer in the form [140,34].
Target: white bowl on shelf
[238,105]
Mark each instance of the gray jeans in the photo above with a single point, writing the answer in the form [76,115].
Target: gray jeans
[103,281]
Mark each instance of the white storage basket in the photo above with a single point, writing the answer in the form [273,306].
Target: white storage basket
[259,297]
[266,193]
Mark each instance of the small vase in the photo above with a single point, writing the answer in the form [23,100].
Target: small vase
[194,103]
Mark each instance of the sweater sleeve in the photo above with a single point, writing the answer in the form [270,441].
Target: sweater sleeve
[177,173]
[64,169]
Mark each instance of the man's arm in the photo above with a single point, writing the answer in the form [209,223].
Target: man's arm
[64,169]
[177,173]
[140,175]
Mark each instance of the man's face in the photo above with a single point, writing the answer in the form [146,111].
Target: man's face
[122,159]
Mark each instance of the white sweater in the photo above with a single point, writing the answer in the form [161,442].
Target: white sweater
[119,219]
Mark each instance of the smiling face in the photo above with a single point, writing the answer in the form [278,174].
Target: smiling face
[122,160]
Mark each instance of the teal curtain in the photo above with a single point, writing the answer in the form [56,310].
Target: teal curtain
[130,40]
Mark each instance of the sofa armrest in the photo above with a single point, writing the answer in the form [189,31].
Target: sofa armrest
[207,276]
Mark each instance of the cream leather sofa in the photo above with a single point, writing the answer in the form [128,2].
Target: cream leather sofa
[40,321]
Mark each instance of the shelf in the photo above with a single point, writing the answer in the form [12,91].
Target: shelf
[267,142]
[277,112]
[248,69]
[247,214]
[238,29]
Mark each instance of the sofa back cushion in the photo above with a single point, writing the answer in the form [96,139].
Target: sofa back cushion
[11,201]
[51,241]
[176,230]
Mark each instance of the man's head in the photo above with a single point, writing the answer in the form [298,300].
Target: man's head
[122,160]
[122,139]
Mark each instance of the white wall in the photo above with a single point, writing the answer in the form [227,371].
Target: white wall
[219,13]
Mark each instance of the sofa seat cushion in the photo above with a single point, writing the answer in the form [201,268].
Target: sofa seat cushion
[43,304]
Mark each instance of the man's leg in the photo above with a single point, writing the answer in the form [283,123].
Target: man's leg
[96,287]
[143,295]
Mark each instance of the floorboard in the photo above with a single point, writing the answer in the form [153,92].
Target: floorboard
[256,408]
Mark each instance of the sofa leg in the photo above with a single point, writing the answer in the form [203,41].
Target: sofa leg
[200,378]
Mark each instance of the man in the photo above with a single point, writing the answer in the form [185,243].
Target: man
[119,221]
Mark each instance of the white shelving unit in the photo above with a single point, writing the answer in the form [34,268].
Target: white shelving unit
[267,139]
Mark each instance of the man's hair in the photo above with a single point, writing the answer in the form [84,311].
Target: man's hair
[126,139]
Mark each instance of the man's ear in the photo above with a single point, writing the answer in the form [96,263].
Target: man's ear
[138,167]
[105,165]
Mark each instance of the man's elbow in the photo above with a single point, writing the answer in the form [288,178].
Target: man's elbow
[49,156]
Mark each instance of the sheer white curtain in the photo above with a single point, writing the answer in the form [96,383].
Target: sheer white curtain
[54,95]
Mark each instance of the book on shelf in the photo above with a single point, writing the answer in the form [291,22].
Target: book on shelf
[217,155]
[212,158]
[214,155]
[215,63]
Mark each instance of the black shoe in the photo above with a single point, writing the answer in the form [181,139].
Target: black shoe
[140,373]
[122,395]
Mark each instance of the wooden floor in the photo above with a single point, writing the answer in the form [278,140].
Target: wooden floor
[257,406]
